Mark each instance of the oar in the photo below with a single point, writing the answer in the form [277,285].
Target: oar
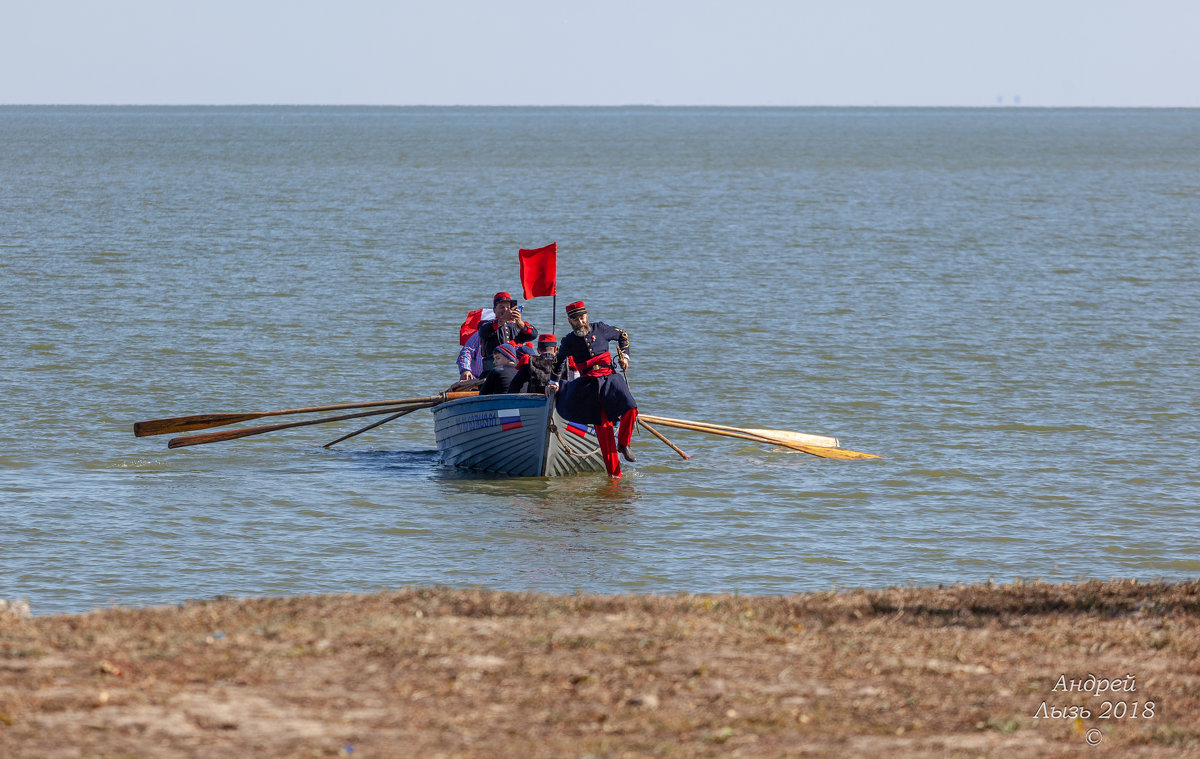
[217,437]
[204,421]
[795,437]
[662,437]
[827,452]
[373,425]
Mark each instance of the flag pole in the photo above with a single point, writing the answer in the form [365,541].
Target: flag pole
[554,297]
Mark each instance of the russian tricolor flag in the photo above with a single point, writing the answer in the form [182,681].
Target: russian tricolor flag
[509,418]
[578,429]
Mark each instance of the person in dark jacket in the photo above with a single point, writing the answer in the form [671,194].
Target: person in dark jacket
[504,368]
[534,375]
[509,326]
[599,396]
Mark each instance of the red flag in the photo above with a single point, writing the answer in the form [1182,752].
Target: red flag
[471,325]
[539,270]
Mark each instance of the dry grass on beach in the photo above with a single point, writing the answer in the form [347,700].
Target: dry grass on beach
[957,672]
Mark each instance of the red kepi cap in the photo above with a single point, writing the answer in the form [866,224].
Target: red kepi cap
[575,309]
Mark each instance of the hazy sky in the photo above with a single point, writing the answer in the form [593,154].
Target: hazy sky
[607,52]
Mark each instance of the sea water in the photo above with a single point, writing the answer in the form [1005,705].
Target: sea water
[1002,303]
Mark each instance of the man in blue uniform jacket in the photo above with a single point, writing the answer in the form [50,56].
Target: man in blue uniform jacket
[507,327]
[599,396]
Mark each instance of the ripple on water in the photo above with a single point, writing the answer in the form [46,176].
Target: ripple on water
[1031,386]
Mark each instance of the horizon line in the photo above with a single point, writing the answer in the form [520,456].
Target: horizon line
[989,106]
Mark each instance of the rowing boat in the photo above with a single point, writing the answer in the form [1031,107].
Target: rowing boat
[519,435]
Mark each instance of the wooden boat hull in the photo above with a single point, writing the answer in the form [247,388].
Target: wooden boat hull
[516,435]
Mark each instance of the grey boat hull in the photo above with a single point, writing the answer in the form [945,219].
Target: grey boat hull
[516,435]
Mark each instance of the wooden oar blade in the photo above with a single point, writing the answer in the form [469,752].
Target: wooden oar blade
[760,436]
[827,453]
[799,443]
[802,438]
[189,423]
[217,437]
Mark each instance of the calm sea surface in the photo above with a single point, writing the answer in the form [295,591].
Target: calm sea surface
[1005,304]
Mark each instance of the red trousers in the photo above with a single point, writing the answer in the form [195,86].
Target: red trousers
[608,446]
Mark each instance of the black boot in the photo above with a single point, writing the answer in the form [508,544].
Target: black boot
[628,454]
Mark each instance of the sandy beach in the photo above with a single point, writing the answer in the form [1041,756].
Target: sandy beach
[1023,670]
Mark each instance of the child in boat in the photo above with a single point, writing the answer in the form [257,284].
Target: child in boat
[504,368]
